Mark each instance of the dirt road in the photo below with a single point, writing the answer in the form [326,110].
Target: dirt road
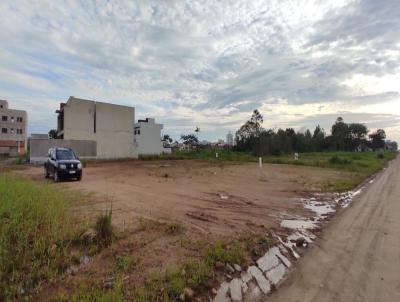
[358,256]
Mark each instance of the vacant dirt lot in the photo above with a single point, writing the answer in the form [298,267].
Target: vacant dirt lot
[204,196]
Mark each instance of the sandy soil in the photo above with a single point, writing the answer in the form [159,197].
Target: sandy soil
[207,197]
[357,258]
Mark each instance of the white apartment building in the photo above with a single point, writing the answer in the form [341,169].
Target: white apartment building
[13,128]
[147,137]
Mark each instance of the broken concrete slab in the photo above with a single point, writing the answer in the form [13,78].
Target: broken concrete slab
[253,294]
[268,261]
[222,294]
[262,282]
[276,274]
[235,288]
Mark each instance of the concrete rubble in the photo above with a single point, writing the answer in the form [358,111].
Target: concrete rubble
[270,269]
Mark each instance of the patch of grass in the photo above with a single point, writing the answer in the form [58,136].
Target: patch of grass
[104,228]
[168,286]
[36,233]
[123,263]
[203,155]
[94,293]
[337,160]
[362,164]
[197,274]
[341,185]
[174,229]
[223,252]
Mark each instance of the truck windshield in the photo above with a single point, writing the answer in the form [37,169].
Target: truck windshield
[65,154]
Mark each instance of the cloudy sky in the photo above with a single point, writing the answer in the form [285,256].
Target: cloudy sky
[206,63]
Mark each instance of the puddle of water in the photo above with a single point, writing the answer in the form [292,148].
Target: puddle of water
[321,209]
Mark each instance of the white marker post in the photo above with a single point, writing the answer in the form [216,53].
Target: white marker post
[216,154]
[260,162]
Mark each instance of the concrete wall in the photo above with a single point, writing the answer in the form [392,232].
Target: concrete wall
[40,147]
[148,137]
[111,126]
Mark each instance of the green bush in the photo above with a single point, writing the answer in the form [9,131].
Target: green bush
[380,155]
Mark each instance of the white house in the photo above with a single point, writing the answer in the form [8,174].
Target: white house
[147,137]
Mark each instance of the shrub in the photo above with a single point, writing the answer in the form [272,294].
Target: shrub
[104,228]
[380,156]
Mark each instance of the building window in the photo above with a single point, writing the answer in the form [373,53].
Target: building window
[19,119]
[19,131]
[12,130]
[4,118]
[4,130]
[12,119]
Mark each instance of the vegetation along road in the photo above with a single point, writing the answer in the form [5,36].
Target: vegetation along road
[358,256]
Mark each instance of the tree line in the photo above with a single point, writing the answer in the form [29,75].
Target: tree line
[252,137]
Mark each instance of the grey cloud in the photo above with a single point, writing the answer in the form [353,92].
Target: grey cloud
[214,55]
[359,22]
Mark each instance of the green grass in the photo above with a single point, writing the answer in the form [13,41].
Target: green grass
[169,285]
[222,252]
[104,228]
[93,293]
[36,232]
[204,155]
[124,263]
[197,274]
[362,165]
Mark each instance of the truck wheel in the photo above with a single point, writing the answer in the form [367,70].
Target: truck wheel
[56,177]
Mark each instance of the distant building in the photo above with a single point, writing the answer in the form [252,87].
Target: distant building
[391,145]
[229,139]
[147,137]
[13,128]
[109,125]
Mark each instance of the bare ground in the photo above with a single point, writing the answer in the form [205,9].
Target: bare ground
[211,200]
[206,197]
